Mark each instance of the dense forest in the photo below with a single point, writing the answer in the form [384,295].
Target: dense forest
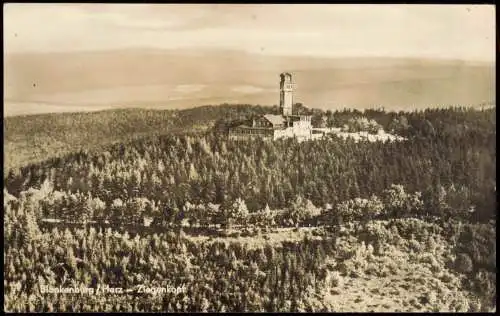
[431,197]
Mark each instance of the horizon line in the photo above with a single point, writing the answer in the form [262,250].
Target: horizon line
[374,107]
[199,50]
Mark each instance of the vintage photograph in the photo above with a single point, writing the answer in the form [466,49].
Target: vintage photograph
[249,158]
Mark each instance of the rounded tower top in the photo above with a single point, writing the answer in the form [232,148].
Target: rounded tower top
[286,76]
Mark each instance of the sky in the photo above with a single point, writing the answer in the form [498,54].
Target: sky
[318,30]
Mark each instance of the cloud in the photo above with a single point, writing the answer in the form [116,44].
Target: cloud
[247,89]
[187,88]
[447,31]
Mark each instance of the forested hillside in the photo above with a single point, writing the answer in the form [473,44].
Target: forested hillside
[34,138]
[420,210]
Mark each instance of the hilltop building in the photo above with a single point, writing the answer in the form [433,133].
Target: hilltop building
[277,126]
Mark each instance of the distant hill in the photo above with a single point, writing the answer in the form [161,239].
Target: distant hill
[32,138]
[169,79]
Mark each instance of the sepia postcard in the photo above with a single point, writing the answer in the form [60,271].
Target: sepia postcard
[249,158]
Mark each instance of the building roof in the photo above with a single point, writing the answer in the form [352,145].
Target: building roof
[245,126]
[275,119]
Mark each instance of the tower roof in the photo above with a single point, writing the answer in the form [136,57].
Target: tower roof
[285,74]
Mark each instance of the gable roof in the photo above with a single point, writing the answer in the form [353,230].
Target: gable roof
[274,119]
